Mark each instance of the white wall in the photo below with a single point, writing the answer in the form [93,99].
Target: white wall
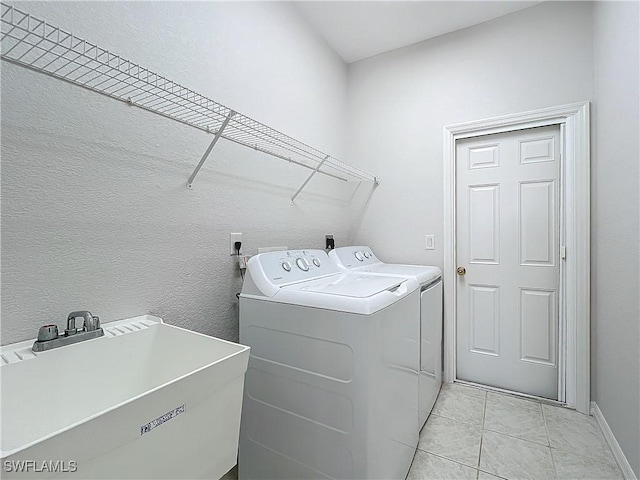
[95,213]
[539,57]
[616,215]
[400,102]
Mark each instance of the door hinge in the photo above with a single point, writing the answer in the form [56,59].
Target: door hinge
[563,252]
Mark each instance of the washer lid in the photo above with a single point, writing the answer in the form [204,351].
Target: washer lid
[348,285]
[349,293]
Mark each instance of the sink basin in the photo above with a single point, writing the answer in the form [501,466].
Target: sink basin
[147,400]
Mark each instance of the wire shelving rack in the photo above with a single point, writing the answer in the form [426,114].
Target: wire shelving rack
[35,44]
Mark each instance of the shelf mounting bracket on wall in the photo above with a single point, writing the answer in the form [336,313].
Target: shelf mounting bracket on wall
[293,197]
[209,148]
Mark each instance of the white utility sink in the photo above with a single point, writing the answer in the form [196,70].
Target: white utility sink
[146,400]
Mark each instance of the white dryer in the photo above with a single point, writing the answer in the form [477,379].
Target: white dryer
[361,259]
[332,384]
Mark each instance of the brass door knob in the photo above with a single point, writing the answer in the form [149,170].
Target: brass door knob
[461,270]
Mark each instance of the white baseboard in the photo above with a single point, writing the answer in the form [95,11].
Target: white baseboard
[618,454]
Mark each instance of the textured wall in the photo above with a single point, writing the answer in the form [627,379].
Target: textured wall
[616,215]
[543,56]
[95,213]
[400,102]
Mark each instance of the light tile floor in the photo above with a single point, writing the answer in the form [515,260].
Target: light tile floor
[476,434]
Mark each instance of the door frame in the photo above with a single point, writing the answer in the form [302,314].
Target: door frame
[574,301]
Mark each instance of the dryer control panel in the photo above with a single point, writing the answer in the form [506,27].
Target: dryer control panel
[290,266]
[353,257]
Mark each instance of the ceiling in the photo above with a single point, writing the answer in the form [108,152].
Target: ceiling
[361,29]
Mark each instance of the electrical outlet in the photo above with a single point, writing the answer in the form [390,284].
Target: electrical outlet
[329,243]
[429,242]
[233,238]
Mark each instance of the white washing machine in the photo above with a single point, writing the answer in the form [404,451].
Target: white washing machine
[361,259]
[332,384]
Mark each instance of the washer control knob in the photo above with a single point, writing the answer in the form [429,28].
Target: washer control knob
[286,266]
[359,256]
[367,254]
[316,262]
[302,264]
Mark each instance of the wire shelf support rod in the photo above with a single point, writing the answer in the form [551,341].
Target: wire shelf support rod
[209,148]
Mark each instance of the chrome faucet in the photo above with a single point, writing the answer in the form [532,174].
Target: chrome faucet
[90,324]
[48,337]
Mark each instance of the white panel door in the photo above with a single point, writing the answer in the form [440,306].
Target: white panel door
[507,250]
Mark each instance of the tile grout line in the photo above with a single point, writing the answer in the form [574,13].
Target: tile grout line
[454,420]
[484,415]
[524,440]
[450,460]
[582,451]
[546,429]
[461,394]
[599,460]
[547,417]
[460,421]
[515,437]
[578,452]
[492,474]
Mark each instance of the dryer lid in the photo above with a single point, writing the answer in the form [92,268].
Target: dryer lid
[361,259]
[423,274]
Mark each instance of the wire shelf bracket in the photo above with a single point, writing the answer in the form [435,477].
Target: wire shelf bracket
[209,148]
[37,45]
[293,197]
